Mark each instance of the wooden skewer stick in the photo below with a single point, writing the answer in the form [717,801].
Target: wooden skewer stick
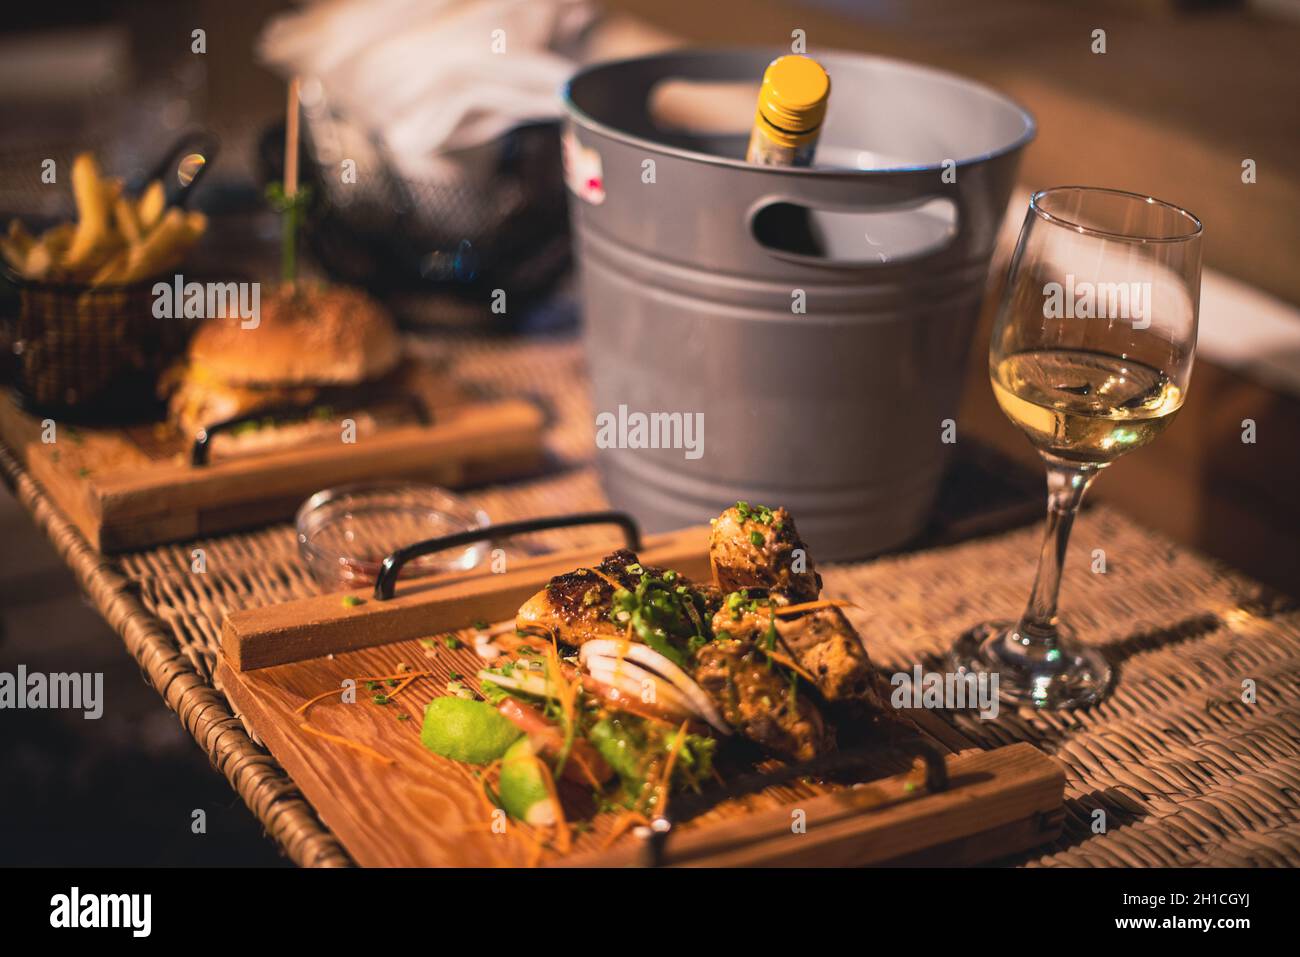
[291,141]
[291,174]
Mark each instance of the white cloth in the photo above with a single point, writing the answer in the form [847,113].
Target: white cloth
[430,77]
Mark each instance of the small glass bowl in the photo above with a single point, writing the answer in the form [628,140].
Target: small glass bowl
[345,533]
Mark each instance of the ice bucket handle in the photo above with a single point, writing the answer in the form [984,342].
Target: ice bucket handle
[916,222]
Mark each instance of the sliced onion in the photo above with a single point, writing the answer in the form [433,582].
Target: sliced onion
[698,700]
[486,648]
[665,694]
[532,682]
[626,683]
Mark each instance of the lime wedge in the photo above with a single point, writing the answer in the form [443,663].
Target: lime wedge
[522,788]
[465,730]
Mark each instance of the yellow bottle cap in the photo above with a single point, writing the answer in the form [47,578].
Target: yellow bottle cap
[794,94]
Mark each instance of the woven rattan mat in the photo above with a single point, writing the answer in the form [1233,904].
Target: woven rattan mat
[1187,766]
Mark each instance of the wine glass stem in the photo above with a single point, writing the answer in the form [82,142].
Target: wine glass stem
[1066,484]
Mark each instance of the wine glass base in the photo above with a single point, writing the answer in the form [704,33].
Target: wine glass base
[1072,677]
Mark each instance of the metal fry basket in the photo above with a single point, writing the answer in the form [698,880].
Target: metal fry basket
[90,352]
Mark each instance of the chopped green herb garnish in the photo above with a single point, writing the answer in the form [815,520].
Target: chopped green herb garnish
[459,690]
[380,699]
[452,642]
[668,617]
[372,685]
[493,692]
[403,717]
[480,624]
[754,513]
[351,601]
[455,675]
[756,538]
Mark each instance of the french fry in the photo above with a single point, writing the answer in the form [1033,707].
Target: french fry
[158,250]
[124,215]
[19,236]
[14,254]
[39,262]
[16,245]
[46,253]
[116,239]
[114,271]
[196,224]
[150,207]
[94,198]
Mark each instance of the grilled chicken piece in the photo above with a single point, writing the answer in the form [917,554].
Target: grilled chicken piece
[759,702]
[823,642]
[575,605]
[755,547]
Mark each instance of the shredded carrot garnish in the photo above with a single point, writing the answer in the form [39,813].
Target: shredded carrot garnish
[789,663]
[563,839]
[302,708]
[347,742]
[567,694]
[534,629]
[535,857]
[813,606]
[408,677]
[480,786]
[390,695]
[626,821]
[666,779]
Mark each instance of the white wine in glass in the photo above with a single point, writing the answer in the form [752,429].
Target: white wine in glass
[1087,407]
[1091,355]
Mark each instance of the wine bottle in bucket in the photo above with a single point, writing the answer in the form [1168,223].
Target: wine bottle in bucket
[791,107]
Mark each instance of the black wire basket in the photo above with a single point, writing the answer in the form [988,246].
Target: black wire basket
[450,243]
[90,352]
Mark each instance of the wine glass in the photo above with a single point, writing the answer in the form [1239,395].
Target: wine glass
[1090,357]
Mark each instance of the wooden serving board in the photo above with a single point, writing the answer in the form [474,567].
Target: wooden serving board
[130,487]
[403,806]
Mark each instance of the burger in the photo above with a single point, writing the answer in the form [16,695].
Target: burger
[313,349]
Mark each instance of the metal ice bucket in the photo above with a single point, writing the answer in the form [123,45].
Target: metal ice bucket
[819,319]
